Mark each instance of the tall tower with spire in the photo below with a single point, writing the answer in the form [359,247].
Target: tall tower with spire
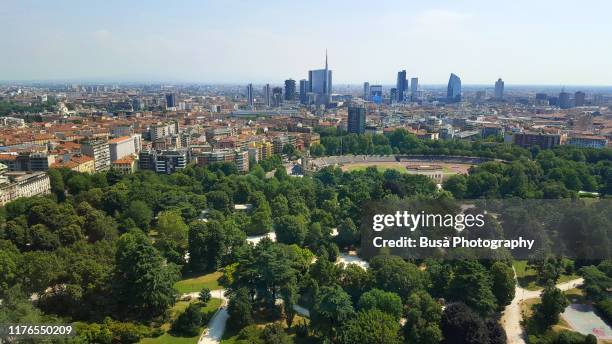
[320,83]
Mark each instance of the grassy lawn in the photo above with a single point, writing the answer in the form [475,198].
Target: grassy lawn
[526,306]
[381,168]
[197,283]
[175,311]
[167,338]
[527,277]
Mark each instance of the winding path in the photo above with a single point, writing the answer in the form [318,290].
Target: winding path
[511,318]
[216,326]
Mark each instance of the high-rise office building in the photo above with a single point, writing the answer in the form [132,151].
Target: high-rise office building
[579,97]
[393,95]
[564,100]
[289,89]
[320,81]
[277,96]
[401,86]
[414,89]
[453,91]
[376,93]
[250,95]
[356,119]
[366,91]
[304,87]
[499,89]
[170,100]
[267,95]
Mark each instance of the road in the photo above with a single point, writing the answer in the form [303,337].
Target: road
[511,318]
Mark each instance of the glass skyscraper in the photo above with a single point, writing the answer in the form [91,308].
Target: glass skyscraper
[401,86]
[453,92]
[320,81]
[356,119]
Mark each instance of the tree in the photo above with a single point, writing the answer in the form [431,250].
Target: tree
[423,319]
[207,245]
[291,229]
[370,326]
[240,309]
[144,283]
[140,212]
[219,200]
[204,296]
[461,325]
[188,323]
[384,301]
[355,280]
[172,233]
[317,149]
[10,260]
[279,206]
[275,334]
[57,184]
[347,233]
[503,283]
[472,284]
[392,273]
[332,308]
[546,313]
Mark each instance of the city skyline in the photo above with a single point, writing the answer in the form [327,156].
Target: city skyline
[200,42]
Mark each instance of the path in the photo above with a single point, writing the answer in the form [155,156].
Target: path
[216,326]
[511,318]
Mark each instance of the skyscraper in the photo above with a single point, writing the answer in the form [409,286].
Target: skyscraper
[170,100]
[277,96]
[579,98]
[366,91]
[414,89]
[250,95]
[376,93]
[289,89]
[453,91]
[267,95]
[499,89]
[564,100]
[304,87]
[401,86]
[356,119]
[321,83]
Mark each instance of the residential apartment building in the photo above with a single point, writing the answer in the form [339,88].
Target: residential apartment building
[586,141]
[100,151]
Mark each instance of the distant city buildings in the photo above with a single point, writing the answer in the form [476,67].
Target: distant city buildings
[320,83]
[356,119]
[453,90]
[414,89]
[401,86]
[376,93]
[366,91]
[171,101]
[564,100]
[499,89]
[289,89]
[304,89]
[579,98]
[267,95]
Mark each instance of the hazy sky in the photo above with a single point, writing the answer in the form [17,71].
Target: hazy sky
[554,42]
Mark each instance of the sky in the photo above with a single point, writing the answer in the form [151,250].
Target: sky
[540,42]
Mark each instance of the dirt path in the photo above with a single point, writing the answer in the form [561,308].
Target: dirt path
[511,318]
